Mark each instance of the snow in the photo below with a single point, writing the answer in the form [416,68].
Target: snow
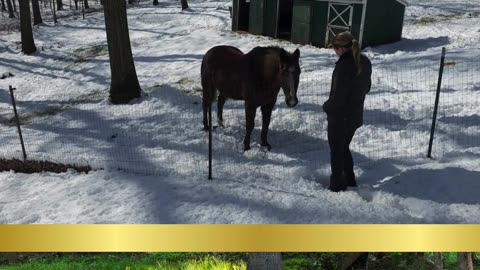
[150,157]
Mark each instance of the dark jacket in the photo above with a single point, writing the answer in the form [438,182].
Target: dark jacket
[348,90]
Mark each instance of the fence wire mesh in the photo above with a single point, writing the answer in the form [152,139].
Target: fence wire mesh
[162,134]
[458,126]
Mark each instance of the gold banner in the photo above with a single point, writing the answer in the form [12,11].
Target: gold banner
[239,238]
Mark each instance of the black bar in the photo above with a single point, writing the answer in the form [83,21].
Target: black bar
[210,142]
[437,98]
[18,122]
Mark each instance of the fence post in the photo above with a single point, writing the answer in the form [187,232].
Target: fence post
[210,142]
[18,122]
[437,98]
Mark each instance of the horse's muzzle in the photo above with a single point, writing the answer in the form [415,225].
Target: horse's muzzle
[291,102]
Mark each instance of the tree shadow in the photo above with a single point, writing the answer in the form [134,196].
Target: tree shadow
[440,185]
[412,45]
[192,58]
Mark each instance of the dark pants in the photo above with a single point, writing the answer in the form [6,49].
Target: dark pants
[340,135]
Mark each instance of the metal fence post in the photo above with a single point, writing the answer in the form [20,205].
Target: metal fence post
[437,98]
[18,123]
[210,142]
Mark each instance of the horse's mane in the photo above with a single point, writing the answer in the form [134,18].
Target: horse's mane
[282,53]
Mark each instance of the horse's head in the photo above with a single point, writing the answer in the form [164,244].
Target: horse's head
[290,76]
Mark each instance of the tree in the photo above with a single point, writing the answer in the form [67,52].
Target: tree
[37,16]
[264,261]
[76,4]
[3,5]
[28,45]
[465,261]
[155,2]
[10,9]
[59,5]
[437,261]
[346,260]
[124,82]
[52,7]
[85,4]
[184,4]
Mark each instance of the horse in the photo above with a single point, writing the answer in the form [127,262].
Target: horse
[255,77]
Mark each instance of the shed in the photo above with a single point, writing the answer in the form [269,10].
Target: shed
[271,18]
[372,22]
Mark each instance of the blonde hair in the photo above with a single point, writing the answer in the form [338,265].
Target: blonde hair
[346,40]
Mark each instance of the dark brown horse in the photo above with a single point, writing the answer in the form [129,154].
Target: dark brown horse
[255,77]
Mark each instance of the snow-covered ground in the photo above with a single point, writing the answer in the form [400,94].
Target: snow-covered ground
[151,155]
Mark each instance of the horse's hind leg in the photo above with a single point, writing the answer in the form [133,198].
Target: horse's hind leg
[250,119]
[208,96]
[220,103]
[206,105]
[266,116]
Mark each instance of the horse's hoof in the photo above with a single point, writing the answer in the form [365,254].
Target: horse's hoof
[267,145]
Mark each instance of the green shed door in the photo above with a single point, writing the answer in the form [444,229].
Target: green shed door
[240,15]
[340,16]
[319,22]
[301,24]
[255,25]
[235,10]
[271,18]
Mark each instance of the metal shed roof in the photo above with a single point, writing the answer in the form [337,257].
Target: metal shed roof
[403,2]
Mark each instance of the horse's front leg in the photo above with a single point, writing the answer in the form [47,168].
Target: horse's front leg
[250,111]
[266,116]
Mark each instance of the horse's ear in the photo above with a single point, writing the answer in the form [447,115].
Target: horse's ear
[296,54]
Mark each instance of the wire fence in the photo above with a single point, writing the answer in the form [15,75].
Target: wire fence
[458,126]
[162,134]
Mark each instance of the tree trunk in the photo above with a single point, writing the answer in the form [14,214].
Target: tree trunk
[3,5]
[28,45]
[10,9]
[85,3]
[52,7]
[264,261]
[155,2]
[437,261]
[59,5]
[184,4]
[130,1]
[465,261]
[37,16]
[76,4]
[14,6]
[124,83]
[348,259]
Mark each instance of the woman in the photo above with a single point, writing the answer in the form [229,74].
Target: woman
[351,81]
